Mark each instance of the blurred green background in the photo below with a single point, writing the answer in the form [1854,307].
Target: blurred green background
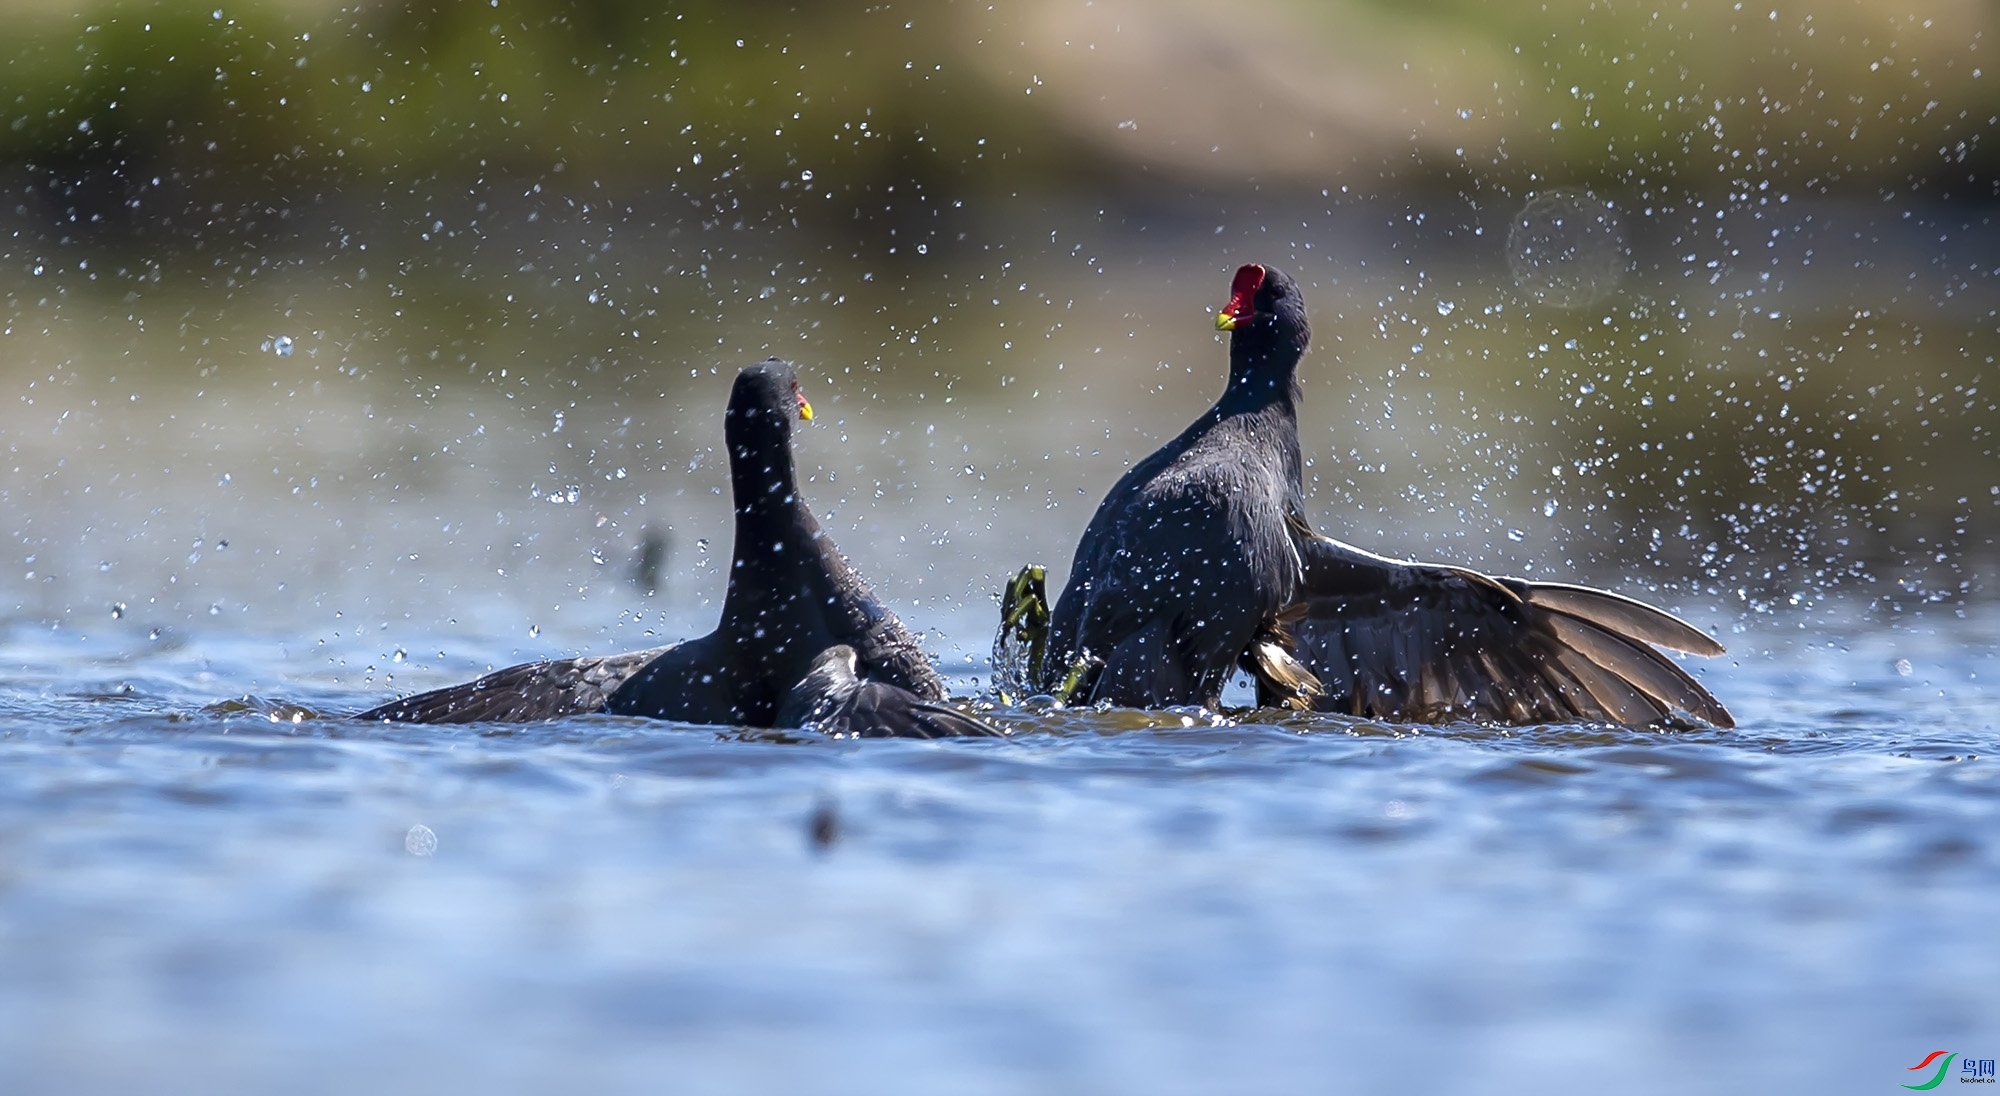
[347,278]
[129,114]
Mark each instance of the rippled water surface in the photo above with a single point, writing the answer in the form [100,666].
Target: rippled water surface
[255,896]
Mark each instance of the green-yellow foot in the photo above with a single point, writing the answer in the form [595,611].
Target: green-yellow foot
[1021,646]
[1073,680]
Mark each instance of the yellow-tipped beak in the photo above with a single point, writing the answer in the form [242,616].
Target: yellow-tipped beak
[805,410]
[1225,322]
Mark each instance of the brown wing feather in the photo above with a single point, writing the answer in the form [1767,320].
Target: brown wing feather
[1641,667]
[1623,616]
[1397,640]
[1621,702]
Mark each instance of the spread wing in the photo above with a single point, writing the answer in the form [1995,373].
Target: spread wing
[1399,640]
[521,694]
[876,710]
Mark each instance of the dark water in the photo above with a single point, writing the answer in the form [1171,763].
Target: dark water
[238,897]
[208,883]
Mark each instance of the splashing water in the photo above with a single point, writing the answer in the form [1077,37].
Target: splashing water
[1567,249]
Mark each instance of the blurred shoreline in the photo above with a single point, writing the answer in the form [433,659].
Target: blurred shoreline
[1781,422]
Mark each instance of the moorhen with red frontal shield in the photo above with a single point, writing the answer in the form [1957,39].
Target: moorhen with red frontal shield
[1201,559]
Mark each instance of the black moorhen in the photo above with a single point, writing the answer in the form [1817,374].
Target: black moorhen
[1189,553]
[1201,559]
[791,595]
[833,698]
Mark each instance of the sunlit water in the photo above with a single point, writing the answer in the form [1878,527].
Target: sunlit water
[224,541]
[257,896]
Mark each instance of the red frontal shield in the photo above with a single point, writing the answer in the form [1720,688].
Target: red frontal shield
[1243,292]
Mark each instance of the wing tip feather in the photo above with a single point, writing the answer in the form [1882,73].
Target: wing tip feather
[1623,616]
[1641,667]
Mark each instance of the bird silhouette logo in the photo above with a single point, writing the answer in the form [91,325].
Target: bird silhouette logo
[1937,1078]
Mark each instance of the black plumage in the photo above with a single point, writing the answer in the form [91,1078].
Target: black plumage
[833,698]
[548,689]
[791,595]
[1201,559]
[1189,554]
